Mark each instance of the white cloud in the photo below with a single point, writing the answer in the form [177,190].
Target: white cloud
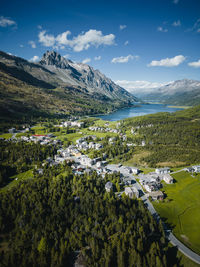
[168,62]
[39,27]
[34,59]
[5,22]
[21,45]
[137,86]
[46,39]
[123,59]
[161,29]
[79,43]
[126,43]
[176,23]
[122,27]
[97,58]
[86,60]
[32,44]
[66,56]
[175,1]
[195,64]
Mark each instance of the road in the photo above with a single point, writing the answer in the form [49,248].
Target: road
[169,235]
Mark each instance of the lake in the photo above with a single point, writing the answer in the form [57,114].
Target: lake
[140,110]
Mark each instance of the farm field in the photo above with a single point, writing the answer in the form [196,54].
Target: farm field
[181,208]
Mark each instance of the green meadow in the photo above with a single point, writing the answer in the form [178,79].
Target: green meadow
[181,208]
[20,177]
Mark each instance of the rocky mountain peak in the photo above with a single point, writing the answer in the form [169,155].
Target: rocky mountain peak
[55,59]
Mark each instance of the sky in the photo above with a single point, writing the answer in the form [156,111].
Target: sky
[136,43]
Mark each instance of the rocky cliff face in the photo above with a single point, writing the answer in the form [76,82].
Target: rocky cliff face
[84,76]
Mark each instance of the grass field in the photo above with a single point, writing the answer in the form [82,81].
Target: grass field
[181,208]
[6,135]
[20,177]
[136,160]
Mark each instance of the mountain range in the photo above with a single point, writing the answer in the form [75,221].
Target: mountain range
[56,85]
[180,92]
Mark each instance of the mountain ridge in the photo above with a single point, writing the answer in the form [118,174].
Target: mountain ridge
[83,75]
[179,92]
[44,88]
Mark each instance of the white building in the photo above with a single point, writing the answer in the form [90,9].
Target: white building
[168,179]
[132,192]
[196,168]
[162,170]
[108,186]
[135,170]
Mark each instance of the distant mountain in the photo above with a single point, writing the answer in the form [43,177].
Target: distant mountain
[84,76]
[56,84]
[180,92]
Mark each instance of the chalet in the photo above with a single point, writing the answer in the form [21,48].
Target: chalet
[189,169]
[148,187]
[156,195]
[132,192]
[162,170]
[168,179]
[196,168]
[12,130]
[135,170]
[99,164]
[108,186]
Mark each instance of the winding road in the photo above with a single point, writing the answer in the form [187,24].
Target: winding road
[168,233]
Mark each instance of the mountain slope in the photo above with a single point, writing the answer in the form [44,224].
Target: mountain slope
[56,86]
[79,74]
[180,92]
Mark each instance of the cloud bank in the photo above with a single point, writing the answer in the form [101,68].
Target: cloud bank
[168,62]
[34,59]
[123,59]
[78,43]
[86,60]
[140,86]
[122,27]
[195,64]
[5,22]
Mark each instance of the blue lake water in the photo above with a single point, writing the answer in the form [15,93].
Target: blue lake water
[141,110]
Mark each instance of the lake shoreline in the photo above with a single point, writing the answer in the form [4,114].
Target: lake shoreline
[137,110]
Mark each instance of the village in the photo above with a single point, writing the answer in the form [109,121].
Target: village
[133,182]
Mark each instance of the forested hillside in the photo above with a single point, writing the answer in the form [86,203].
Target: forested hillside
[49,221]
[171,139]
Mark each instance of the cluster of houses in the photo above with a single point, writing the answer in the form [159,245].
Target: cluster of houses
[193,169]
[129,189]
[13,130]
[84,144]
[103,129]
[78,124]
[42,139]
[152,182]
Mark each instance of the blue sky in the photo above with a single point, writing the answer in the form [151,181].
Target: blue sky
[148,41]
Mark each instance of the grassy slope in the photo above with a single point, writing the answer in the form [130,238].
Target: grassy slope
[181,208]
[20,177]
[19,99]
